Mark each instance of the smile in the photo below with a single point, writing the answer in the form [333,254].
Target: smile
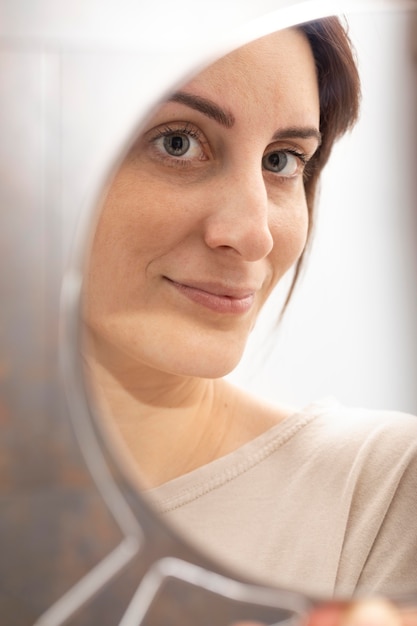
[217,297]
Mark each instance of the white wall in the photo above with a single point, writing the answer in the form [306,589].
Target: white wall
[350,330]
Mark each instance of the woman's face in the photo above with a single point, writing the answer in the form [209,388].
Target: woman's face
[207,212]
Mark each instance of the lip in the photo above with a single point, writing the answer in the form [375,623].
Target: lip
[217,297]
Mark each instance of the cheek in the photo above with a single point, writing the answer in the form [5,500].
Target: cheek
[289,230]
[148,213]
[141,220]
[137,220]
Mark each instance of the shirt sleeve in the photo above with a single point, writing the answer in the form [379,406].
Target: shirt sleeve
[383,547]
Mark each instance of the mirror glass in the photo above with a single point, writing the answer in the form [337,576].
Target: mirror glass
[290,461]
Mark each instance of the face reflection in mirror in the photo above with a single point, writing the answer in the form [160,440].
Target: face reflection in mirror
[201,164]
[208,211]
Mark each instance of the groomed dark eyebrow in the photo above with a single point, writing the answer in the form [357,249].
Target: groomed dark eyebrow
[205,106]
[227,119]
[298,133]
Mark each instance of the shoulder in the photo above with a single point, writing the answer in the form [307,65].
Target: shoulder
[337,419]
[351,432]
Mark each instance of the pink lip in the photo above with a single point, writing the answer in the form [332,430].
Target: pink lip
[217,297]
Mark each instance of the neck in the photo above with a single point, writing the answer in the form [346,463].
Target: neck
[168,425]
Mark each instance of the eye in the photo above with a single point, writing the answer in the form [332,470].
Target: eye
[283,162]
[176,145]
[184,144]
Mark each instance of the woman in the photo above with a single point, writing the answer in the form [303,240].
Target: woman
[211,207]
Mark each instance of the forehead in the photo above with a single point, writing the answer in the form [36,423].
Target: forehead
[274,73]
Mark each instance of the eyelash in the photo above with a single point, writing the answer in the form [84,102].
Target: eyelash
[195,133]
[300,155]
[186,129]
[304,158]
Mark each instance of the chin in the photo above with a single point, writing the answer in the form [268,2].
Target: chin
[210,372]
[214,363]
[197,359]
[172,348]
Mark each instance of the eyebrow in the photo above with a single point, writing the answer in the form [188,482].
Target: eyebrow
[227,119]
[298,132]
[205,106]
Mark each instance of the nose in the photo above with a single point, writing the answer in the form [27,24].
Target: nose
[239,216]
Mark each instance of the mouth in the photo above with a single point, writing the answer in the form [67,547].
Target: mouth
[217,297]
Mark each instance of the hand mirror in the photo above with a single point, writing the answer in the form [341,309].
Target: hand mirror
[80,544]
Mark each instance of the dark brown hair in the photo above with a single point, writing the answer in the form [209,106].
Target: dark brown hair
[339,90]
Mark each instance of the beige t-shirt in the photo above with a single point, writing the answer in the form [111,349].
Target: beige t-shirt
[323,503]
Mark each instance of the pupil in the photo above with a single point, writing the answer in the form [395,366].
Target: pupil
[277,160]
[176,145]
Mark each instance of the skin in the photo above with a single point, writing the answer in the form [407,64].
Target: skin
[188,248]
[365,612]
